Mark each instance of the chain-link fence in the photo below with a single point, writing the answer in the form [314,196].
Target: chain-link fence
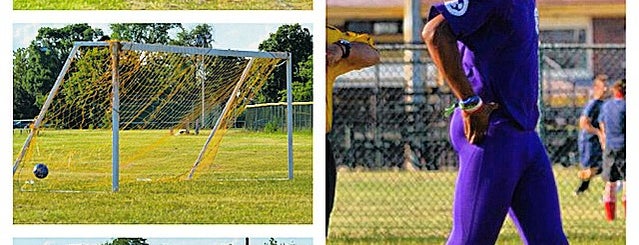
[272,117]
[397,167]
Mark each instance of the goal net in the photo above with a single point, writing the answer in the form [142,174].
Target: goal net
[123,113]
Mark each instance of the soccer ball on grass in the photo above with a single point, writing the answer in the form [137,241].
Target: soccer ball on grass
[40,171]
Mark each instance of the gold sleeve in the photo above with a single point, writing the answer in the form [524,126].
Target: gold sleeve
[333,35]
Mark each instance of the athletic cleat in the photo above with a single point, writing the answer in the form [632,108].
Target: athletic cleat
[582,188]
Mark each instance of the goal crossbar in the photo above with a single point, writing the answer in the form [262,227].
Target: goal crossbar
[189,50]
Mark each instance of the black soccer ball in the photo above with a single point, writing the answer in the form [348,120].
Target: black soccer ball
[40,171]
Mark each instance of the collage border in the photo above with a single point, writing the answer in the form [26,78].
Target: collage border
[317,17]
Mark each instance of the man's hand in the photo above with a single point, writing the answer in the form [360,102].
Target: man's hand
[476,123]
[587,173]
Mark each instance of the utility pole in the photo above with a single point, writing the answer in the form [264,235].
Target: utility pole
[412,35]
[414,74]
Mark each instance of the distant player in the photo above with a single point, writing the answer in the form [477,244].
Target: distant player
[589,146]
[612,122]
[487,53]
[345,51]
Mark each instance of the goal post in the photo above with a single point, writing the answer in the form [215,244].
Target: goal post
[289,113]
[38,120]
[229,103]
[146,90]
[115,117]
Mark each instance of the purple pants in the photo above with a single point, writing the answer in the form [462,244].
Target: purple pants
[508,172]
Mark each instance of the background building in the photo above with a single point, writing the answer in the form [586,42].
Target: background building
[566,21]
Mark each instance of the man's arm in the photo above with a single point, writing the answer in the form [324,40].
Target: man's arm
[442,46]
[584,123]
[360,55]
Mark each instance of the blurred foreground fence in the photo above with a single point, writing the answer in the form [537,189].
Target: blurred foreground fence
[397,167]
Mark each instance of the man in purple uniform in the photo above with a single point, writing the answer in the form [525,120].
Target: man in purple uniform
[487,52]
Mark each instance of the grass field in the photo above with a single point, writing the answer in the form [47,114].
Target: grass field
[403,207]
[163,5]
[204,200]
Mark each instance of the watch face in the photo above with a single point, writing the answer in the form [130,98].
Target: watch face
[346,47]
[345,42]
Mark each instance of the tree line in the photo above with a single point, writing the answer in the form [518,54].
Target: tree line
[143,241]
[36,67]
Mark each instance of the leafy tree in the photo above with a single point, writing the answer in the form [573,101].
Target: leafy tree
[155,33]
[58,42]
[26,80]
[288,38]
[86,90]
[36,67]
[127,241]
[200,36]
[271,241]
[302,89]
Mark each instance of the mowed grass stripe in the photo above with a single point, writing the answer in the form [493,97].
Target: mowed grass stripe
[162,5]
[203,200]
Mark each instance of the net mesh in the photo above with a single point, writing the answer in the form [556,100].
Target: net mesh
[168,104]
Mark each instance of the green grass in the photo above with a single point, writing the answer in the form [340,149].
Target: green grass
[404,207]
[241,187]
[503,240]
[163,5]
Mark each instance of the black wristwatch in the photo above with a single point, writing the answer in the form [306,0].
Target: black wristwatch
[345,46]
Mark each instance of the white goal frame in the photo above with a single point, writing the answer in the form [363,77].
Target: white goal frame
[115,48]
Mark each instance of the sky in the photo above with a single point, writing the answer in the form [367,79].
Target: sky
[160,241]
[238,36]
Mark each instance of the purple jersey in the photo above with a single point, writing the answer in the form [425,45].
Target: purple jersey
[613,116]
[499,48]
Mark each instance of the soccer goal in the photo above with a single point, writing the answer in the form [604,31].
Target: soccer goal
[124,112]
